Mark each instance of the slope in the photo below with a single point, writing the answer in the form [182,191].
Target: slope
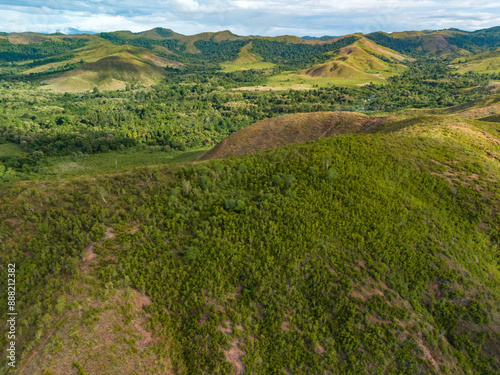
[486,62]
[362,60]
[360,253]
[288,129]
[108,67]
[357,64]
[446,42]
[246,60]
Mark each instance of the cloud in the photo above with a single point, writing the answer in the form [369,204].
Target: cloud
[244,17]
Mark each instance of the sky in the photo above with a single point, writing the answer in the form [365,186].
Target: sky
[246,17]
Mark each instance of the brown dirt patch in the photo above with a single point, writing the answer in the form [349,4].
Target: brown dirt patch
[234,356]
[109,233]
[364,294]
[427,353]
[101,346]
[227,329]
[89,257]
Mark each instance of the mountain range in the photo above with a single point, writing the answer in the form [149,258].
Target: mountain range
[114,60]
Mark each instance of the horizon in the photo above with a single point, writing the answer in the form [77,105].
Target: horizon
[80,32]
[248,17]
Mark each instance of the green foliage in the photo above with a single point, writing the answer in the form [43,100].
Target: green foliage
[33,51]
[331,175]
[295,54]
[305,275]
[192,253]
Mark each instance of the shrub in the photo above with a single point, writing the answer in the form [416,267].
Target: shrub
[192,253]
[332,175]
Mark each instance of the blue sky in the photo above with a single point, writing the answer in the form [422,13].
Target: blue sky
[246,17]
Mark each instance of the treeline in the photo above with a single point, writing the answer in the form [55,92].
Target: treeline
[33,51]
[171,44]
[297,54]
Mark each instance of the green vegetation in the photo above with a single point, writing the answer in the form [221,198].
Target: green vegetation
[198,110]
[320,240]
[246,60]
[486,62]
[374,252]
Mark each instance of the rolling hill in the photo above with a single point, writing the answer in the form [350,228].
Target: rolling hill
[104,65]
[441,42]
[362,61]
[246,60]
[485,62]
[129,58]
[124,65]
[374,252]
[289,129]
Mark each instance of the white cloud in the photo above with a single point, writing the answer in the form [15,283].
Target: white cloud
[244,17]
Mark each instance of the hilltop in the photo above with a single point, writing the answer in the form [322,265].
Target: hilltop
[364,61]
[295,128]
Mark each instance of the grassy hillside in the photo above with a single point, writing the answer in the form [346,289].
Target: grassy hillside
[360,63]
[486,62]
[295,128]
[106,66]
[442,42]
[109,73]
[246,60]
[359,253]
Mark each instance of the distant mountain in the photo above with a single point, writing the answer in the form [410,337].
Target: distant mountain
[352,59]
[321,38]
[73,31]
[441,41]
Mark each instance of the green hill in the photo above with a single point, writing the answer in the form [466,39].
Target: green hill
[246,60]
[486,62]
[357,64]
[446,42]
[359,253]
[106,66]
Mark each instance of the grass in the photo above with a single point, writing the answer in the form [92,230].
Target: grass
[355,65]
[293,128]
[115,161]
[108,66]
[246,60]
[290,79]
[487,62]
